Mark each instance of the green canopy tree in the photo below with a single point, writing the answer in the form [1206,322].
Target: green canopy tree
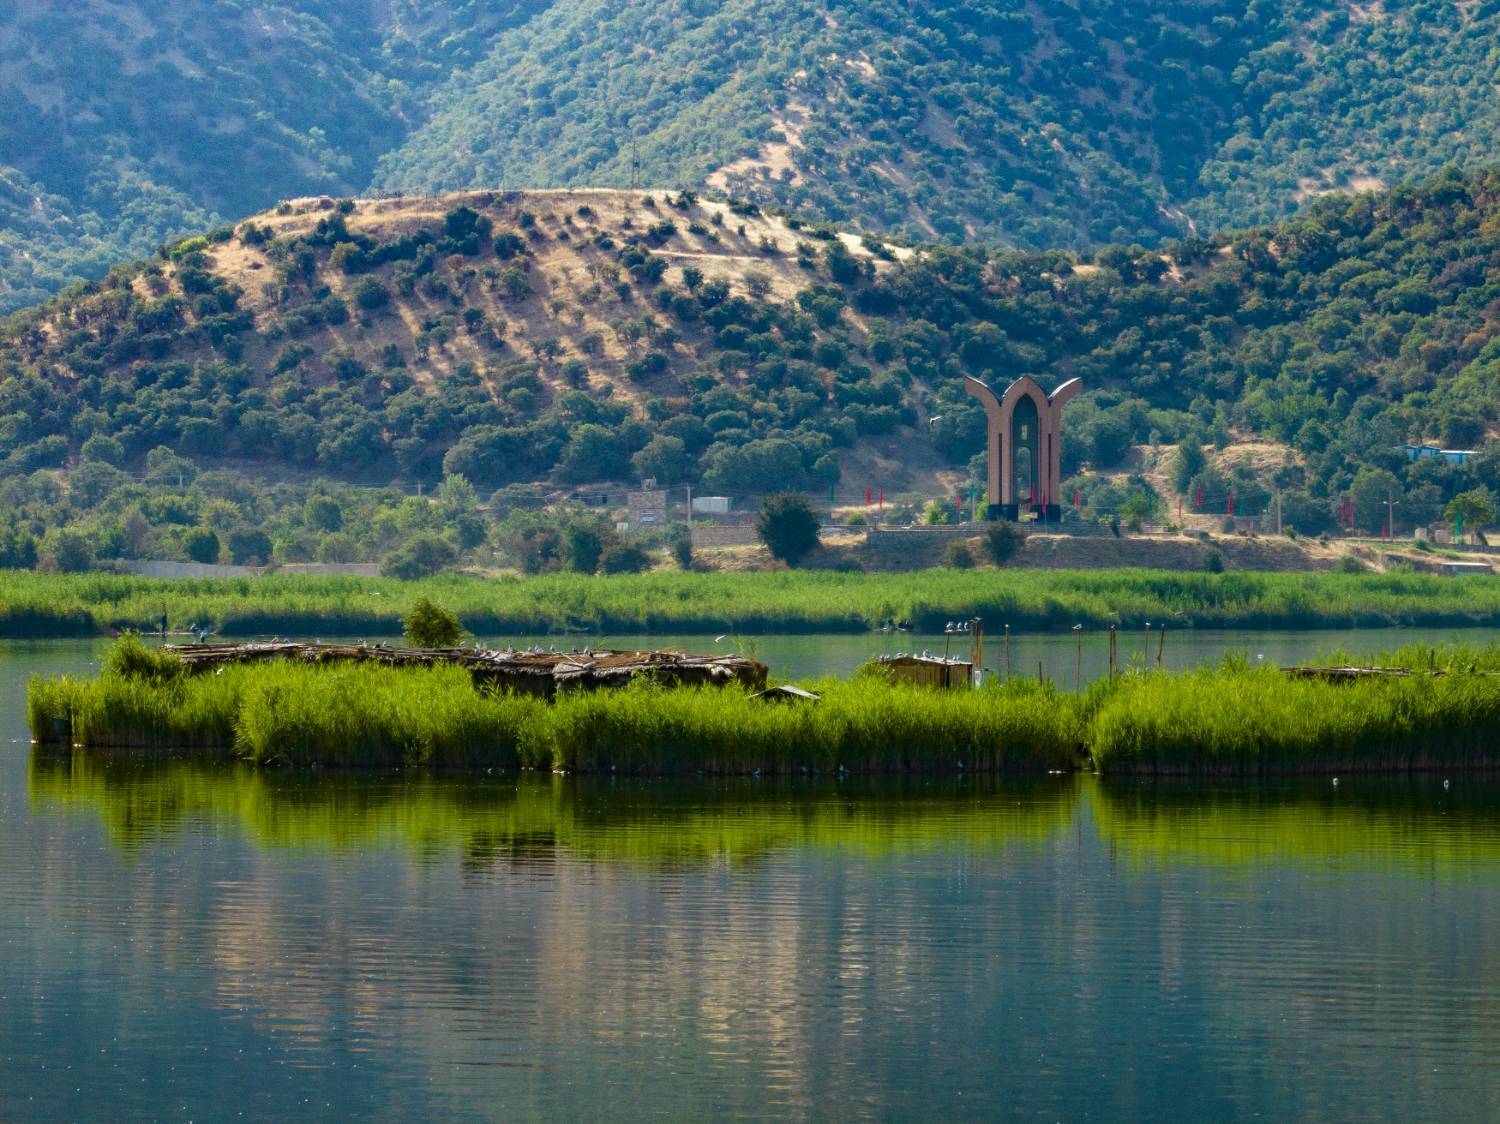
[1474,510]
[788,527]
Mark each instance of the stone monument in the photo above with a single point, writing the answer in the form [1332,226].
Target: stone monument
[1025,446]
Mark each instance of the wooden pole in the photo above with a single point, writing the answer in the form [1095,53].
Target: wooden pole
[1007,653]
[1146,651]
[1078,660]
[1111,651]
[1161,645]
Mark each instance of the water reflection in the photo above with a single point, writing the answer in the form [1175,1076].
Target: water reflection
[200,941]
[1427,823]
[529,820]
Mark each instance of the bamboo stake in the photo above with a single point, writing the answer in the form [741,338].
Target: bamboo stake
[1078,660]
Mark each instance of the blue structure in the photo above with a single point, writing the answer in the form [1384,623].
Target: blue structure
[1452,456]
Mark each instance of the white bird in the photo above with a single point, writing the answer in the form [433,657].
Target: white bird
[719,639]
[1335,782]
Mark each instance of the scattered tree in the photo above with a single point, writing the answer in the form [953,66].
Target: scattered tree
[787,526]
[429,625]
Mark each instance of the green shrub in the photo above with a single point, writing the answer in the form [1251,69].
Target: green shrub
[429,625]
[130,658]
[624,558]
[1001,541]
[959,557]
[787,526]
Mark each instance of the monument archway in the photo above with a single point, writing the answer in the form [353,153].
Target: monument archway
[1024,446]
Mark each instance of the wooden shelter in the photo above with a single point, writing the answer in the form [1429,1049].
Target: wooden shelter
[930,671]
[527,671]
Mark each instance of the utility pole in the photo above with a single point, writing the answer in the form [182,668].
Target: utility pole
[635,164]
[1390,517]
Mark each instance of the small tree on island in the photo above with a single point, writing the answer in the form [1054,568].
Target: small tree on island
[429,625]
[788,526]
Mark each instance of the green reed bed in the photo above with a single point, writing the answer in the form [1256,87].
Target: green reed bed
[866,726]
[1235,720]
[1231,720]
[372,716]
[797,601]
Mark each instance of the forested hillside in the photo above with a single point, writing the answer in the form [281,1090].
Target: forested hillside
[575,338]
[1006,122]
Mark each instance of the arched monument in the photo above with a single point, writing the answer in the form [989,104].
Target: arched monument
[1025,446]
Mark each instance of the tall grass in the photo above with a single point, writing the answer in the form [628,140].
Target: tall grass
[798,601]
[369,716]
[1254,721]
[860,727]
[363,716]
[1232,719]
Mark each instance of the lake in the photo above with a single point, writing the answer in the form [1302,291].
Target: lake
[200,941]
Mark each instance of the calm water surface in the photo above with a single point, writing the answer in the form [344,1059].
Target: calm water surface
[1060,656]
[192,942]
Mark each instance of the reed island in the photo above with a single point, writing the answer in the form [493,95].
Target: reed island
[1418,709]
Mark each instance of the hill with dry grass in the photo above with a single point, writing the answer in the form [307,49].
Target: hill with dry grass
[579,336]
[572,338]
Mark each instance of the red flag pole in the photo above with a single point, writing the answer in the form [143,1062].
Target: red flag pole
[868,497]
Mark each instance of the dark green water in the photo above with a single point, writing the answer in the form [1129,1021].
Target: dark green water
[192,942]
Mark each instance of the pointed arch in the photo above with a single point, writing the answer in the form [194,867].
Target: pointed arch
[1000,418]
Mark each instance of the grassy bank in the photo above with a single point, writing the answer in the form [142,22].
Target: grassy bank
[1254,721]
[373,716]
[1229,720]
[40,605]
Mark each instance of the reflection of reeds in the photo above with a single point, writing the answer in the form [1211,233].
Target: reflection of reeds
[532,819]
[80,604]
[1400,823]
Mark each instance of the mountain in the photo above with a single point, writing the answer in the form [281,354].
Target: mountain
[1006,122]
[576,337]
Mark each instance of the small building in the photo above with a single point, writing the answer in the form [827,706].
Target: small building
[648,508]
[710,505]
[1454,569]
[1452,456]
[929,671]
